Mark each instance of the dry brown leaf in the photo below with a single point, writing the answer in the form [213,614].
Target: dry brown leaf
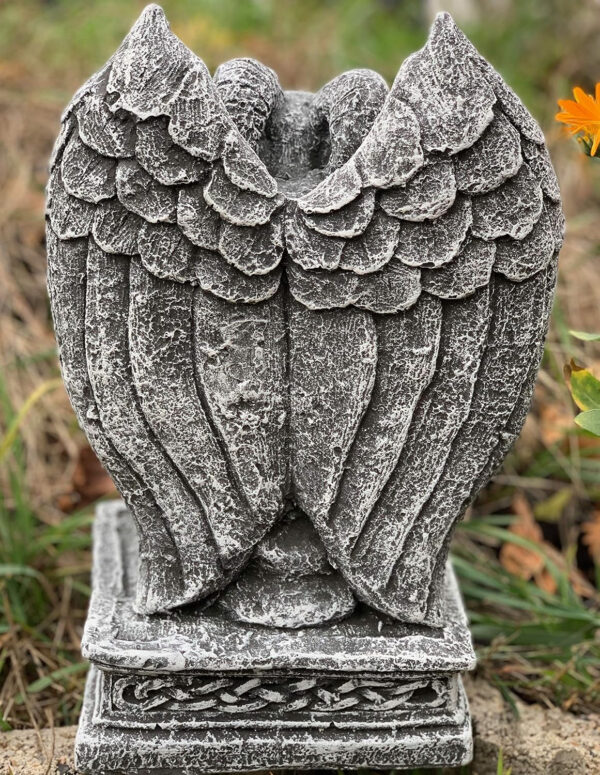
[591,535]
[545,580]
[90,482]
[555,422]
[522,508]
[519,560]
[530,564]
[90,479]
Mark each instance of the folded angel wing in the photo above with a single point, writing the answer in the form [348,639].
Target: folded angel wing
[452,182]
[160,214]
[423,271]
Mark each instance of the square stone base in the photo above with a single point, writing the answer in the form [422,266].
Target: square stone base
[193,692]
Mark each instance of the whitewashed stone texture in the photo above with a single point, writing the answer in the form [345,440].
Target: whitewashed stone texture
[301,332]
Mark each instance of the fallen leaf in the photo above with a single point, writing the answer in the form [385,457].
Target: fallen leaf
[90,479]
[519,560]
[589,421]
[530,563]
[555,422]
[591,535]
[522,508]
[90,482]
[545,580]
[584,386]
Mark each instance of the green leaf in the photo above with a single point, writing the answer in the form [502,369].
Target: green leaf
[585,336]
[551,509]
[589,421]
[585,388]
[10,571]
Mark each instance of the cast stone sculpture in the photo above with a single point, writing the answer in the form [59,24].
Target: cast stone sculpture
[301,332]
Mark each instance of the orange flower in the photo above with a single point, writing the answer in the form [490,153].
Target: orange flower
[583,115]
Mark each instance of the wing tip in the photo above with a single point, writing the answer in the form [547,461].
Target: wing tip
[445,28]
[443,19]
[153,16]
[150,29]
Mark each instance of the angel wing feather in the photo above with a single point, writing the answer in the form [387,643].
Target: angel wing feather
[147,179]
[447,237]
[380,385]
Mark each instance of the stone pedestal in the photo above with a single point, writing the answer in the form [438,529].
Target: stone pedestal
[193,692]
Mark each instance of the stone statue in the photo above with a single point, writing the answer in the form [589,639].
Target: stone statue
[301,332]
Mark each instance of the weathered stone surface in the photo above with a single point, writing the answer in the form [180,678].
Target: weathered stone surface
[271,747]
[292,549]
[359,237]
[199,690]
[268,599]
[301,332]
[192,639]
[542,741]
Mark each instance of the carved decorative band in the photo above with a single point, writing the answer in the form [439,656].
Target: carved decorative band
[251,694]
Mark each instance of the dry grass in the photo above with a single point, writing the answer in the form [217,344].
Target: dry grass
[34,702]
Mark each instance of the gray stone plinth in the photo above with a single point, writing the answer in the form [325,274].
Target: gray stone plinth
[193,692]
[236,748]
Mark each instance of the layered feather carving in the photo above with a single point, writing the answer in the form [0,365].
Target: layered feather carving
[477,224]
[475,175]
[173,158]
[147,179]
[380,384]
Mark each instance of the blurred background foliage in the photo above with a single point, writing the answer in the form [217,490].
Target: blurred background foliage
[529,553]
